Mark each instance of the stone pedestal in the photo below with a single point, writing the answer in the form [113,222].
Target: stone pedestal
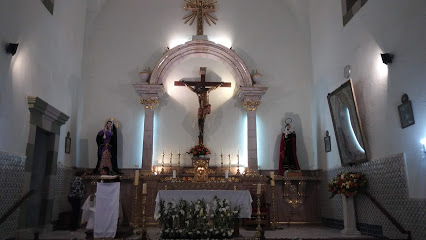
[349,216]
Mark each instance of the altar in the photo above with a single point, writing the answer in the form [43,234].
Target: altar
[240,198]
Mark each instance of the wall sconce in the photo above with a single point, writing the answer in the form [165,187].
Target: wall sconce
[11,48]
[387,58]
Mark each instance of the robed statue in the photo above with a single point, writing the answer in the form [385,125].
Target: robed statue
[106,140]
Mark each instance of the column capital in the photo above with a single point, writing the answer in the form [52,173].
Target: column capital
[250,96]
[150,103]
[251,104]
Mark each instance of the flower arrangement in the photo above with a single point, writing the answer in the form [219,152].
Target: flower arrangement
[199,220]
[198,150]
[349,184]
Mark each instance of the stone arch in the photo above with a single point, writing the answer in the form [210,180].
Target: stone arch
[201,48]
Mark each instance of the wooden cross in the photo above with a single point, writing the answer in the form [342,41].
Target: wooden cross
[202,90]
[203,82]
[200,9]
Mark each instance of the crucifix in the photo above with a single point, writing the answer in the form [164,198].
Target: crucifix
[200,9]
[202,89]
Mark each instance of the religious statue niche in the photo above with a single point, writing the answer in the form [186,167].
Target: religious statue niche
[202,89]
[106,140]
[288,156]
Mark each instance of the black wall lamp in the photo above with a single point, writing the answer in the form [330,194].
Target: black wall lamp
[11,48]
[387,58]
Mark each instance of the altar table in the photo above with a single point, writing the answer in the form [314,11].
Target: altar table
[240,198]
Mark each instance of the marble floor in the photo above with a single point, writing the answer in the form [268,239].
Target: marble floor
[287,232]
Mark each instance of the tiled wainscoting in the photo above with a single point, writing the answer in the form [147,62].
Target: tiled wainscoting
[388,184]
[62,188]
[12,169]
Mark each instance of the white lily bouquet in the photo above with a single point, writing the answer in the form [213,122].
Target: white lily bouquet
[199,220]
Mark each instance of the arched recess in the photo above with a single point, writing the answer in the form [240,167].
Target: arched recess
[201,48]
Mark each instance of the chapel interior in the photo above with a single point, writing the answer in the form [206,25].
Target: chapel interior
[241,99]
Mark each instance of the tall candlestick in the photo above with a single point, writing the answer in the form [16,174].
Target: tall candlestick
[229,158]
[238,162]
[136,178]
[144,188]
[171,156]
[221,160]
[179,160]
[163,157]
[162,163]
[272,183]
[272,174]
[259,188]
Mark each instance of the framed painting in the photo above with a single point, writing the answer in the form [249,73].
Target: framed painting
[405,110]
[350,8]
[327,142]
[49,4]
[68,143]
[347,125]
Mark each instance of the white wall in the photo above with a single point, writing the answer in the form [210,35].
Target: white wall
[47,65]
[272,36]
[380,26]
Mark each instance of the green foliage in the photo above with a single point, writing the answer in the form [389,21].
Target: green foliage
[199,220]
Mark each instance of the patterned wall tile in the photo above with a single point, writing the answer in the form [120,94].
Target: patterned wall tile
[61,190]
[12,168]
[388,184]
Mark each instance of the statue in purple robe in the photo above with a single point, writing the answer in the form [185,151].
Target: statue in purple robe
[107,150]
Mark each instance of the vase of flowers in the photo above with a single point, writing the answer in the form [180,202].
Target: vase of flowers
[199,150]
[348,185]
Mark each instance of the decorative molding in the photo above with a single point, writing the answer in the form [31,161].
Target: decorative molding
[146,90]
[37,105]
[201,48]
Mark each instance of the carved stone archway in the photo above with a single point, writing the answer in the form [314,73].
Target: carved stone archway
[151,92]
[201,48]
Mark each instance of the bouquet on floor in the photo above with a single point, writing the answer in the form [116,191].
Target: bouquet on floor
[199,150]
[347,183]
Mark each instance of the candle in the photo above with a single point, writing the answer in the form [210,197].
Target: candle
[226,174]
[272,175]
[144,188]
[136,177]
[174,173]
[272,183]
[258,188]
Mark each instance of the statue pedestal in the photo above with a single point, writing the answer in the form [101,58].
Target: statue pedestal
[349,216]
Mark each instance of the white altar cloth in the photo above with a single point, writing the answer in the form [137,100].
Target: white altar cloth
[236,197]
[106,210]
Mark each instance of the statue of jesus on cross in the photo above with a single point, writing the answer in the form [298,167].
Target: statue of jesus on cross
[200,88]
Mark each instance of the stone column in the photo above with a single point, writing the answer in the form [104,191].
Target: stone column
[148,133]
[150,95]
[250,97]
[251,106]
